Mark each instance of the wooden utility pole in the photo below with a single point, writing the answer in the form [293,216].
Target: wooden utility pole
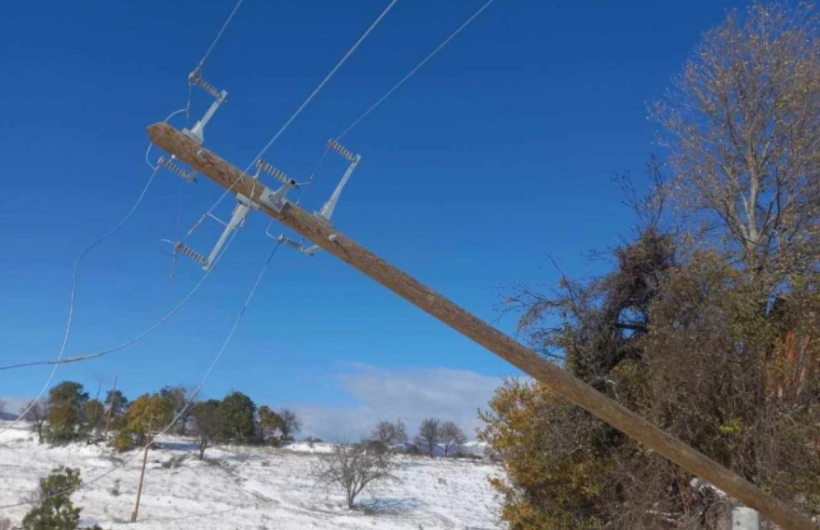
[142,473]
[110,407]
[324,235]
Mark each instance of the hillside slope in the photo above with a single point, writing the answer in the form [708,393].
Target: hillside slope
[248,488]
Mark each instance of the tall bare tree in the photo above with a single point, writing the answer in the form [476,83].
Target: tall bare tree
[429,435]
[353,468]
[179,397]
[743,123]
[36,415]
[451,436]
[289,424]
[208,424]
[387,434]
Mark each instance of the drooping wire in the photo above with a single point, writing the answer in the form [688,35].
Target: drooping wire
[129,342]
[103,238]
[416,69]
[59,359]
[73,296]
[150,145]
[306,102]
[194,394]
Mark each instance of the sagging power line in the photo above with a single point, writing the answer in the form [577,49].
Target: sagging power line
[73,296]
[194,395]
[56,363]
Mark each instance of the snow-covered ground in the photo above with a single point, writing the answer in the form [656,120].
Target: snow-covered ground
[248,488]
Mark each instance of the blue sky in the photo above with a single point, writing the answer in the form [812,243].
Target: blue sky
[498,153]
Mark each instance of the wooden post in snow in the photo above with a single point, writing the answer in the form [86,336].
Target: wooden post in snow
[110,408]
[327,237]
[136,511]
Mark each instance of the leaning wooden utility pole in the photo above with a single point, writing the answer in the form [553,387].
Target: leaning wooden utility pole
[110,407]
[323,234]
[136,511]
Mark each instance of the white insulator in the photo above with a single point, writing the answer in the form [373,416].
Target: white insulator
[273,172]
[177,170]
[339,148]
[195,256]
[196,80]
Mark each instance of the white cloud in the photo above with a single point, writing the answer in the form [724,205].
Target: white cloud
[410,395]
[14,405]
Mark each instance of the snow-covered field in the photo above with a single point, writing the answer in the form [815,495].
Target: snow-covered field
[248,488]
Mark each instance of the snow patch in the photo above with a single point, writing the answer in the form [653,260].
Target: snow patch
[249,488]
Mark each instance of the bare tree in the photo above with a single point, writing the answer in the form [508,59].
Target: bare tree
[387,434]
[429,435]
[36,415]
[289,424]
[353,468]
[451,436]
[743,123]
[179,397]
[208,424]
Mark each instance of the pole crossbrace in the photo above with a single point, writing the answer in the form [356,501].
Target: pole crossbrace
[325,236]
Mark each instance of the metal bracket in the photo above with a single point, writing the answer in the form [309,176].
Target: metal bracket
[240,212]
[327,209]
[247,202]
[275,200]
[197,133]
[326,212]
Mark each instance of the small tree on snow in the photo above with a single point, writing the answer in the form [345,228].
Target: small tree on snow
[353,468]
[429,435]
[208,424]
[53,509]
[451,436]
[387,434]
[269,424]
[36,415]
[289,424]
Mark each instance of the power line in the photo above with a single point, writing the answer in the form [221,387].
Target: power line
[129,342]
[74,294]
[155,169]
[323,83]
[150,145]
[416,69]
[218,36]
[196,392]
[310,97]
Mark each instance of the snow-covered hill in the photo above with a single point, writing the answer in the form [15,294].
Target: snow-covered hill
[248,488]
